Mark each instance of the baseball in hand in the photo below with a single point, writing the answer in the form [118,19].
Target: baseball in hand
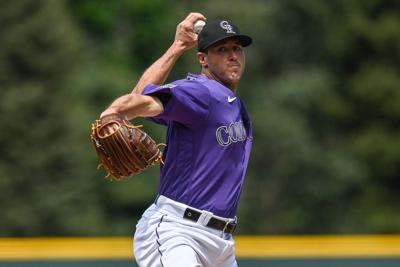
[198,26]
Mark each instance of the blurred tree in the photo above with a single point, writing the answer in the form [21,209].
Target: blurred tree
[37,51]
[326,119]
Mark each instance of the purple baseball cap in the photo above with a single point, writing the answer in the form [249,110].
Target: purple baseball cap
[216,31]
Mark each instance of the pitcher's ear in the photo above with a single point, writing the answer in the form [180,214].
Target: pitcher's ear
[202,57]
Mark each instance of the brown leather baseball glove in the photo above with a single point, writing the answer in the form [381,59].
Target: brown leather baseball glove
[123,149]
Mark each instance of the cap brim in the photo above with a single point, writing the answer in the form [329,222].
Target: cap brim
[243,39]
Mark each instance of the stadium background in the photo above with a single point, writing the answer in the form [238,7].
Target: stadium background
[321,85]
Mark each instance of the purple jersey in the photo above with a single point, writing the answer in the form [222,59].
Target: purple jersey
[209,139]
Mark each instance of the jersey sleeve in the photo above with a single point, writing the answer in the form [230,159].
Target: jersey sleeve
[188,103]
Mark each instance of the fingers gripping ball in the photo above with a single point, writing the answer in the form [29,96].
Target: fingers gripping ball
[123,149]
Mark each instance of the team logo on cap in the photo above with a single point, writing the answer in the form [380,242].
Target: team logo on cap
[226,26]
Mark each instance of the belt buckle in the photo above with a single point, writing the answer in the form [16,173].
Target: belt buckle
[234,224]
[226,226]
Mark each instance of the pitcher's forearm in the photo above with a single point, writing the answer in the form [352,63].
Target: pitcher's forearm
[133,105]
[159,71]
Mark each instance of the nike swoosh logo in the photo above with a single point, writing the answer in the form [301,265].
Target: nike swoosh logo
[231,99]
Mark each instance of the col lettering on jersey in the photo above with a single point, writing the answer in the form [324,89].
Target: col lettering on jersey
[209,140]
[232,133]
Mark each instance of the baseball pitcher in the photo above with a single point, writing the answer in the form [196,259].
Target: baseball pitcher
[208,143]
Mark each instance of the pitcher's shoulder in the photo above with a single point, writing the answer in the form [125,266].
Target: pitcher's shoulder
[191,82]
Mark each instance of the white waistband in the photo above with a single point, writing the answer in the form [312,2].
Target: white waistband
[178,209]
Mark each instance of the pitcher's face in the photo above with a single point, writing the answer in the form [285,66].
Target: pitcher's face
[224,62]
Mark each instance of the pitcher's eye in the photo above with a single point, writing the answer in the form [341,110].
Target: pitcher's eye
[238,49]
[222,49]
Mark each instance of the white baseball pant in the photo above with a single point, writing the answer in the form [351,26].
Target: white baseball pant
[163,238]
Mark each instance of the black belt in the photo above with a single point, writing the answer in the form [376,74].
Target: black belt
[214,223]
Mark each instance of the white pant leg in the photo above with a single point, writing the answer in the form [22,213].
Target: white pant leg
[145,239]
[228,258]
[181,256]
[156,245]
[163,239]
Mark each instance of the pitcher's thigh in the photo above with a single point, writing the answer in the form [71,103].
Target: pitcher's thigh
[180,256]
